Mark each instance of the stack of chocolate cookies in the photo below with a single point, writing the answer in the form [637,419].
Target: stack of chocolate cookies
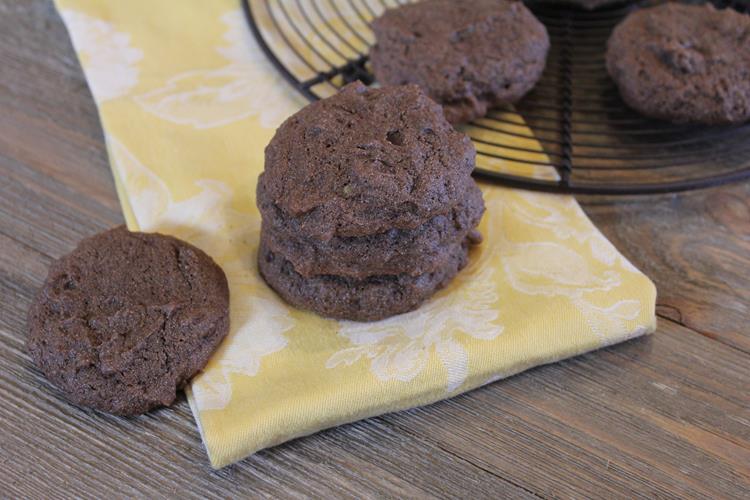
[367,202]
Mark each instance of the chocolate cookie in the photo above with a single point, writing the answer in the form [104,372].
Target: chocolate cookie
[468,55]
[396,251]
[684,63]
[366,161]
[368,299]
[126,319]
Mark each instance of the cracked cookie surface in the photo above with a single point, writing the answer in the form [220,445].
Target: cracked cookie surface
[468,55]
[367,299]
[683,63]
[396,251]
[365,161]
[126,319]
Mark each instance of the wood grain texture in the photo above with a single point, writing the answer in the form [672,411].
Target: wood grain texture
[665,416]
[696,248]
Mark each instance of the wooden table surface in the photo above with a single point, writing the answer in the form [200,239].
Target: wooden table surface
[667,415]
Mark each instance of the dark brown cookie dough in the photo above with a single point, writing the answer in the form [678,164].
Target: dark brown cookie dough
[126,319]
[396,251]
[368,299]
[468,55]
[684,63]
[365,161]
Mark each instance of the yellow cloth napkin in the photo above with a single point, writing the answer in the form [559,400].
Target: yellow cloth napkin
[188,102]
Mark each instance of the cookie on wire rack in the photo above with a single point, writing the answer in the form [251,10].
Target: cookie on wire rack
[684,63]
[468,55]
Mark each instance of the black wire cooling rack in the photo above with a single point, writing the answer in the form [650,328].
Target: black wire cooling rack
[592,143]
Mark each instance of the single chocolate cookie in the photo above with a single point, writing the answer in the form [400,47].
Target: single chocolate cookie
[468,55]
[684,63]
[126,319]
[396,251]
[369,299]
[365,161]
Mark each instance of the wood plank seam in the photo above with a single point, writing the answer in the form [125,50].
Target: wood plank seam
[678,320]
